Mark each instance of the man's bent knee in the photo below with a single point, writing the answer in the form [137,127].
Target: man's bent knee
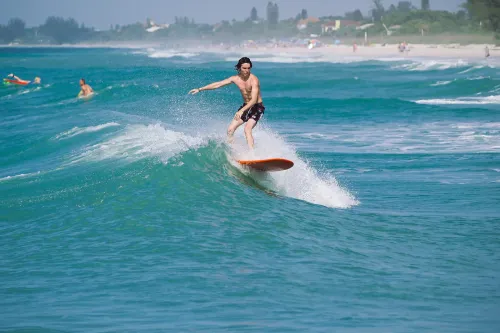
[249,127]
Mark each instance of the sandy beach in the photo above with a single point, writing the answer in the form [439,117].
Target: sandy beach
[374,51]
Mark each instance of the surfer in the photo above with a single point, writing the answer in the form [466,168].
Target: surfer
[13,77]
[252,109]
[86,89]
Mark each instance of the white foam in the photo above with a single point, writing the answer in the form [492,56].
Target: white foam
[22,175]
[27,91]
[77,130]
[139,141]
[171,54]
[475,78]
[462,100]
[87,97]
[302,181]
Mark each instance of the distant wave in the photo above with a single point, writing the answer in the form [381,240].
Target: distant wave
[461,100]
[473,78]
[171,54]
[426,65]
[471,69]
[435,137]
[286,58]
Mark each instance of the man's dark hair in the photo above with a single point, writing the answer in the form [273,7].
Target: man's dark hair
[83,80]
[242,61]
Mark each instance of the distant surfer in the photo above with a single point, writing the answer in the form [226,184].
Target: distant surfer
[13,77]
[86,90]
[252,109]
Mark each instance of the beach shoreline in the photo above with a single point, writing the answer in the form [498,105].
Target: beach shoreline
[370,51]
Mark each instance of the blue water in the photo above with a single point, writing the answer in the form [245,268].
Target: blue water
[125,212]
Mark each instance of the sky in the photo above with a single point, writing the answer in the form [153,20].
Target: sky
[102,13]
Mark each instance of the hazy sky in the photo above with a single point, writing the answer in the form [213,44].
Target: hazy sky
[101,13]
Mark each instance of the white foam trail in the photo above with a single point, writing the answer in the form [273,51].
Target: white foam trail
[477,78]
[22,175]
[77,130]
[302,181]
[27,91]
[471,69]
[461,100]
[441,83]
[139,141]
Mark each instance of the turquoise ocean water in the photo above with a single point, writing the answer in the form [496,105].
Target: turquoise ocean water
[126,213]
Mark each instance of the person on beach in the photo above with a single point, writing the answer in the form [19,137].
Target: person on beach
[401,47]
[252,109]
[86,90]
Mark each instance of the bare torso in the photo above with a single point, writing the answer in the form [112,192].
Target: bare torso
[245,87]
[86,90]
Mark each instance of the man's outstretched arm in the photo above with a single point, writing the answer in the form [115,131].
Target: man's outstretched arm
[212,86]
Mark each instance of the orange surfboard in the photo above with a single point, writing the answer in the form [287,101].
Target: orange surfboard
[269,164]
[22,82]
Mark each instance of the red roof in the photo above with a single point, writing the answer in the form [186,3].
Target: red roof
[329,24]
[346,23]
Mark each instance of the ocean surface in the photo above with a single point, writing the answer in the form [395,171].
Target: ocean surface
[126,212]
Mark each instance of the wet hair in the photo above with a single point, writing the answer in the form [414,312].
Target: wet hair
[83,80]
[242,61]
